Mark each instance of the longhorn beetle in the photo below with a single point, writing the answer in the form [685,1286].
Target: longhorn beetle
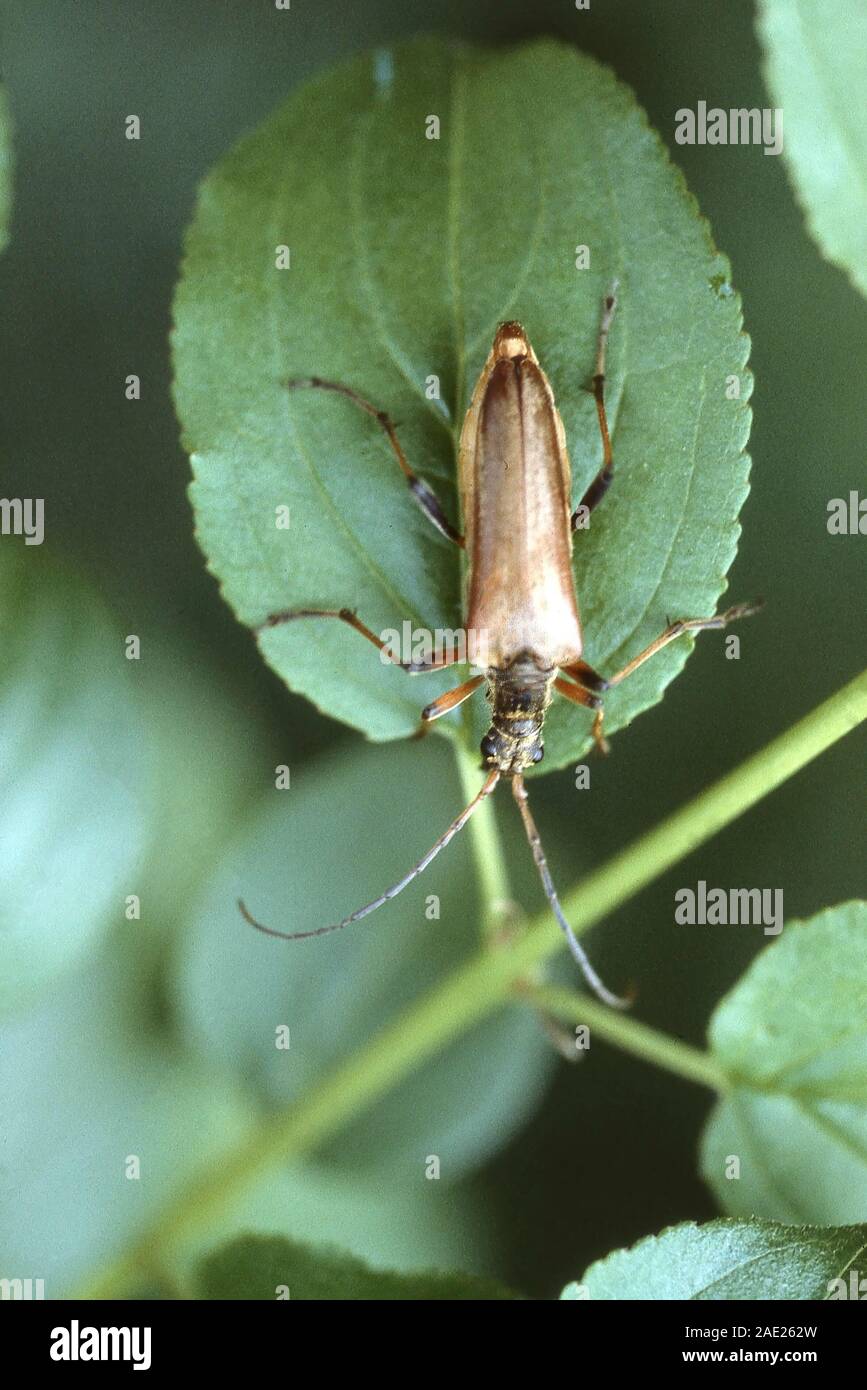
[514,481]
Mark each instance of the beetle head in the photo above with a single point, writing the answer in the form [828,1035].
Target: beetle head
[510,751]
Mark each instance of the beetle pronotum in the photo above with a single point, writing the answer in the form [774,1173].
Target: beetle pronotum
[515,487]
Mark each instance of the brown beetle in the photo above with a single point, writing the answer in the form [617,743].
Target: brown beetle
[522,623]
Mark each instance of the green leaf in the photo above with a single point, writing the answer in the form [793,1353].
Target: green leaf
[792,1035]
[815,60]
[727,1260]
[405,255]
[267,1268]
[235,988]
[75,791]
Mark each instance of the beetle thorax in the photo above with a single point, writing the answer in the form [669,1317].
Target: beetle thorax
[519,695]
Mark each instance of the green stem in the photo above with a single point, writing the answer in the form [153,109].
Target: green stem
[492,874]
[631,1036]
[485,982]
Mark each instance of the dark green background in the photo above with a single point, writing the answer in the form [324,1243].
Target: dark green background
[86,288]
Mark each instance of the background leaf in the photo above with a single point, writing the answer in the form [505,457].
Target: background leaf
[91,805]
[728,1260]
[255,1267]
[406,253]
[233,988]
[815,60]
[76,796]
[793,1036]
[194,723]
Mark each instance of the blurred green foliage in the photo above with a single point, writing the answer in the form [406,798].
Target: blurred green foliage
[815,60]
[124,1053]
[74,788]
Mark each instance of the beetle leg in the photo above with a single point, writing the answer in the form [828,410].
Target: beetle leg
[346,615]
[585,675]
[424,495]
[579,696]
[451,699]
[590,681]
[675,630]
[601,483]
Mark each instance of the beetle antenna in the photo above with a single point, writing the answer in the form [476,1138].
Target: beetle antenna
[519,791]
[457,824]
